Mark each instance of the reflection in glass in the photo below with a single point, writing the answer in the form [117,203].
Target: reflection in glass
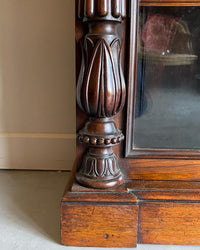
[167,101]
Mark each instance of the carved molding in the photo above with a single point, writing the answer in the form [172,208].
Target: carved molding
[101,92]
[101,85]
[100,171]
[102,9]
[107,141]
[107,134]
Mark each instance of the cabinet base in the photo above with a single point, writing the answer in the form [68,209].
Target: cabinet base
[145,212]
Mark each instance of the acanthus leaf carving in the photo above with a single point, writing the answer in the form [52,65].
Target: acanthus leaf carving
[102,167]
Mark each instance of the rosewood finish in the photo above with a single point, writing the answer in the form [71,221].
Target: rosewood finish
[101,91]
[145,212]
[118,197]
[96,218]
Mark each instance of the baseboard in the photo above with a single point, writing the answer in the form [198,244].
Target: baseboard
[37,151]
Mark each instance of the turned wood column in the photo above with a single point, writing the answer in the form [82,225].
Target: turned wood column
[101,91]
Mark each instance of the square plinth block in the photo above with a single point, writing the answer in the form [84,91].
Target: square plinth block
[98,218]
[99,225]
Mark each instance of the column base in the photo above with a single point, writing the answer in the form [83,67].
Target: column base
[91,218]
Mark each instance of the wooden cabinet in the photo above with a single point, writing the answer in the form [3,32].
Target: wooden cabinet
[137,172]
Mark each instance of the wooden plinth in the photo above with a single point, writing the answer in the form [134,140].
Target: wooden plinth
[146,212]
[92,218]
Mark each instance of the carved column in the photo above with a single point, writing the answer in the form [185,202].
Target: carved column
[101,91]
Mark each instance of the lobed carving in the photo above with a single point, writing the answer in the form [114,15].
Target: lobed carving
[100,92]
[101,74]
[102,9]
[95,168]
[103,168]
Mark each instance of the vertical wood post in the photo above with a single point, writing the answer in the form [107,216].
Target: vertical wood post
[101,91]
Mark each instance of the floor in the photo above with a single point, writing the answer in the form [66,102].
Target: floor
[29,212]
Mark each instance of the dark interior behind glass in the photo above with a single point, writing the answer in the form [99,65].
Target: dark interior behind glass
[167,96]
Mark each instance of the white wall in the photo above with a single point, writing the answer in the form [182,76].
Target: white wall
[37,84]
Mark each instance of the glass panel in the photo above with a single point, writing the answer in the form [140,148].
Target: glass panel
[167,101]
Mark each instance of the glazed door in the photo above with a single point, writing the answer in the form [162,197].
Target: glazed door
[164,80]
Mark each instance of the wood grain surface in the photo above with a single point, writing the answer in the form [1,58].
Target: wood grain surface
[139,211]
[169,223]
[93,225]
[161,169]
[159,199]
